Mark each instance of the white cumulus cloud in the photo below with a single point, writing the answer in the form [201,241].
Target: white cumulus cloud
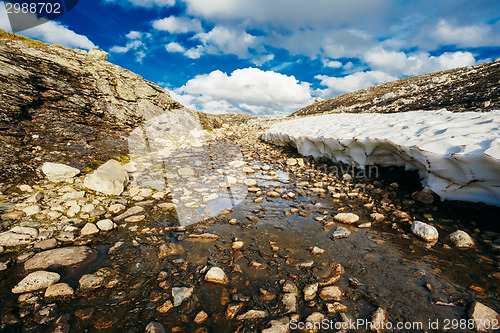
[175,47]
[178,25]
[51,32]
[248,90]
[401,64]
[350,83]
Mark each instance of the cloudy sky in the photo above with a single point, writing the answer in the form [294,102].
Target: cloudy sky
[275,56]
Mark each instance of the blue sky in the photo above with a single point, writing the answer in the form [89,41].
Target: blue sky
[271,57]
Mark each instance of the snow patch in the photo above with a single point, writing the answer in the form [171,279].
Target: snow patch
[456,154]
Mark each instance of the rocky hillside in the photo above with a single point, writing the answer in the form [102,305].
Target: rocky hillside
[472,88]
[67,105]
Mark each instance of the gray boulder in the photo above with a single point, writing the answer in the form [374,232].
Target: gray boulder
[57,172]
[35,281]
[110,178]
[61,257]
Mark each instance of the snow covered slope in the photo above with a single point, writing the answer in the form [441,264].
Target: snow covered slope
[456,154]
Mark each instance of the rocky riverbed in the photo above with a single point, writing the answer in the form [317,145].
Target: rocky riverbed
[311,242]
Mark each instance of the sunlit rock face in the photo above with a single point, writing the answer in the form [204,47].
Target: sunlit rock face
[457,154]
[63,105]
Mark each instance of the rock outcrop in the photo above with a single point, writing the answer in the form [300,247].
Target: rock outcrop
[67,106]
[472,88]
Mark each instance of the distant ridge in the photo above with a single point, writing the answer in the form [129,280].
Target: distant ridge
[471,88]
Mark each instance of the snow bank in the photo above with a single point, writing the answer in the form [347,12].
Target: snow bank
[456,154]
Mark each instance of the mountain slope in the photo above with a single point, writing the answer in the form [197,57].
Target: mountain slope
[472,88]
[67,105]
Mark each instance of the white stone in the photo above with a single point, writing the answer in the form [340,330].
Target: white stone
[461,239]
[110,178]
[425,231]
[89,229]
[186,172]
[347,218]
[32,210]
[216,275]
[180,294]
[18,236]
[35,281]
[57,172]
[73,210]
[59,290]
[105,225]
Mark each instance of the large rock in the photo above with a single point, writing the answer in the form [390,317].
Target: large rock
[425,231]
[216,275]
[461,239]
[61,257]
[180,294]
[18,236]
[110,178]
[57,172]
[35,281]
[484,317]
[98,54]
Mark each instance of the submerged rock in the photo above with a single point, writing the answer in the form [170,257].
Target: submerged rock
[62,257]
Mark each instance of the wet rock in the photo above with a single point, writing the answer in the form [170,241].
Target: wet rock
[84,314]
[306,264]
[46,244]
[60,257]
[310,291]
[105,225]
[232,310]
[237,245]
[216,275]
[200,317]
[340,232]
[180,294]
[90,281]
[16,215]
[265,295]
[273,194]
[154,327]
[278,326]
[347,218]
[257,266]
[377,217]
[89,229]
[377,319]
[18,236]
[204,236]
[168,249]
[289,301]
[253,314]
[136,210]
[165,307]
[313,321]
[423,197]
[461,239]
[35,281]
[316,250]
[330,293]
[424,231]
[134,219]
[110,178]
[46,314]
[483,316]
[290,287]
[59,290]
[57,172]
[335,307]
